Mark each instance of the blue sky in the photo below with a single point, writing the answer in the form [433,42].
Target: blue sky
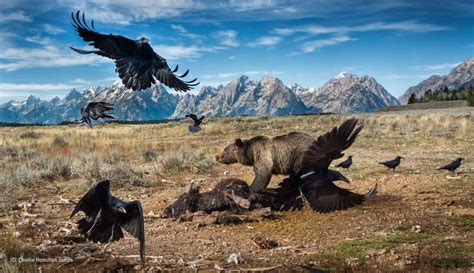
[398,42]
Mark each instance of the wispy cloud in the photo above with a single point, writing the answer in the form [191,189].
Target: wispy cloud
[227,37]
[313,45]
[9,87]
[184,52]
[18,16]
[442,66]
[403,76]
[182,31]
[412,26]
[50,54]
[238,74]
[265,41]
[53,30]
[246,5]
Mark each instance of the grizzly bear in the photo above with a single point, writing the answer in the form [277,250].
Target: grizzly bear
[279,155]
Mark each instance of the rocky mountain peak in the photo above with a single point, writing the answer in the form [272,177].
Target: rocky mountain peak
[461,76]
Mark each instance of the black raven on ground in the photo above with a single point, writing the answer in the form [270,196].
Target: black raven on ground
[314,184]
[453,165]
[96,110]
[346,163]
[136,63]
[196,127]
[392,164]
[107,215]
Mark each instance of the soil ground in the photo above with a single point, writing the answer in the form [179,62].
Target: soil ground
[421,218]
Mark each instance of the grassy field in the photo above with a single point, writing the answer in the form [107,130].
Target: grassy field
[421,219]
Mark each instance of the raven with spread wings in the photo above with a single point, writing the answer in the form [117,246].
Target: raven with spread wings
[314,183]
[96,110]
[136,63]
[107,215]
[196,127]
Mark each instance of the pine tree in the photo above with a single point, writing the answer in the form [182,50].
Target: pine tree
[412,99]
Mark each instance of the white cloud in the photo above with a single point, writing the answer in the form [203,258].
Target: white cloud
[441,66]
[247,5]
[12,87]
[18,16]
[411,26]
[266,41]
[286,10]
[183,52]
[238,74]
[79,81]
[185,33]
[53,30]
[401,76]
[49,55]
[227,37]
[313,45]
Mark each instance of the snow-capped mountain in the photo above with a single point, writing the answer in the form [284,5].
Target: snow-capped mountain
[460,77]
[345,93]
[151,104]
[243,97]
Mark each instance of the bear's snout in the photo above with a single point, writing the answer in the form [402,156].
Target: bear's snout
[220,158]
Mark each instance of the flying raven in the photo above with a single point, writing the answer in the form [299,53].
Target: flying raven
[136,63]
[346,163]
[106,215]
[197,122]
[453,165]
[314,184]
[392,164]
[96,110]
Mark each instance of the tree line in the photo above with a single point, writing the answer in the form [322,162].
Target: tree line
[445,94]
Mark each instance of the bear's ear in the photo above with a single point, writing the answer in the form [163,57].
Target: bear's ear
[238,142]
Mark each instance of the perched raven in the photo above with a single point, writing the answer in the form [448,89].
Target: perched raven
[96,110]
[197,122]
[136,63]
[453,165]
[107,215]
[314,184]
[392,164]
[346,163]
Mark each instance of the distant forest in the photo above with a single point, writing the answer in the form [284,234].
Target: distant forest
[445,94]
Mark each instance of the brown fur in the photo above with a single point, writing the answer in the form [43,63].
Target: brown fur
[218,199]
[279,155]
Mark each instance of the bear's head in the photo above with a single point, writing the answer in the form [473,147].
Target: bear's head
[233,153]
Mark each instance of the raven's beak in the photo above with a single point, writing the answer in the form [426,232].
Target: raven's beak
[345,179]
[122,210]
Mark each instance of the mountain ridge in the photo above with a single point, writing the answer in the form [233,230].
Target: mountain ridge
[241,96]
[460,76]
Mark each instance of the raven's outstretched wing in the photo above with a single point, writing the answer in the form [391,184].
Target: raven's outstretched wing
[330,146]
[192,116]
[167,77]
[288,195]
[110,46]
[329,197]
[96,110]
[136,63]
[134,224]
[93,201]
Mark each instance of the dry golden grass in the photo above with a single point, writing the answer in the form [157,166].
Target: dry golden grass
[156,163]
